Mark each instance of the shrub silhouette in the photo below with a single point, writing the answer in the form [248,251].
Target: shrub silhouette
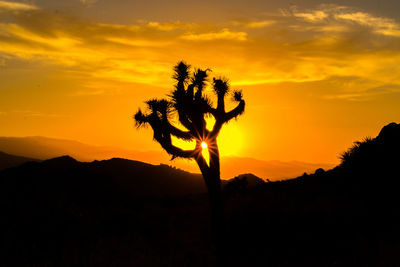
[358,150]
[381,149]
[191,105]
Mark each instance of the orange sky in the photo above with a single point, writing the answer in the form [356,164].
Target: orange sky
[315,77]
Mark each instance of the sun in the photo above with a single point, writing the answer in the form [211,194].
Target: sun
[204,145]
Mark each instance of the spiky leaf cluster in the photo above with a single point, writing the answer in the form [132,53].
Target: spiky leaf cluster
[191,105]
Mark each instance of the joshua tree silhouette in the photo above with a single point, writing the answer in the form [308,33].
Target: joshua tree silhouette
[191,105]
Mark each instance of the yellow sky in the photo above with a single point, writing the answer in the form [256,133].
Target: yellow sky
[314,78]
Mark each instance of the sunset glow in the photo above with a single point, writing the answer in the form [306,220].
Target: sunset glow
[204,145]
[315,76]
[200,133]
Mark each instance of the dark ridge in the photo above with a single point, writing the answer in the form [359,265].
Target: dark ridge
[9,161]
[372,152]
[241,182]
[390,134]
[119,212]
[129,177]
[251,179]
[60,162]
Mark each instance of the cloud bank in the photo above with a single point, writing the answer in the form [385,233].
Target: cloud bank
[293,45]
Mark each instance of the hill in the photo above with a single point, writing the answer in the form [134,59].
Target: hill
[347,216]
[8,161]
[122,176]
[76,215]
[45,148]
[272,169]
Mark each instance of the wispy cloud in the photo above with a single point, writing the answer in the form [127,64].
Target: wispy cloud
[88,2]
[314,16]
[292,46]
[379,25]
[169,26]
[366,94]
[15,6]
[333,14]
[259,24]
[224,34]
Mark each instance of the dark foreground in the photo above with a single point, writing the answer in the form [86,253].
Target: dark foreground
[349,216]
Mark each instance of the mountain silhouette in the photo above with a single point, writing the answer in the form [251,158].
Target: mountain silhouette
[382,150]
[125,176]
[116,213]
[272,169]
[133,177]
[45,148]
[346,216]
[8,161]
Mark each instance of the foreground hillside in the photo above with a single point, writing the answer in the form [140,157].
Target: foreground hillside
[44,148]
[119,176]
[347,216]
[133,178]
[9,161]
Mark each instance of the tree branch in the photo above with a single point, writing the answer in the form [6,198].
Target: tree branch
[221,88]
[164,139]
[184,135]
[235,112]
[217,128]
[221,119]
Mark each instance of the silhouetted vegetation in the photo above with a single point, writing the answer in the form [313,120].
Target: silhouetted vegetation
[66,213]
[358,150]
[191,105]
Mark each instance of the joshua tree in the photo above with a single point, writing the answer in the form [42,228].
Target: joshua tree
[191,106]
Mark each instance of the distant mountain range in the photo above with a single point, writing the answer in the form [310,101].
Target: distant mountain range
[43,148]
[8,161]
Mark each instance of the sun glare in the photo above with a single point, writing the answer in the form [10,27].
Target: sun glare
[204,145]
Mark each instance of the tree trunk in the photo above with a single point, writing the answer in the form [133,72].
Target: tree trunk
[211,175]
[217,212]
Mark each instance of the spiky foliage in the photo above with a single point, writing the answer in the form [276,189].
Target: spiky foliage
[191,105]
[237,95]
[181,71]
[359,148]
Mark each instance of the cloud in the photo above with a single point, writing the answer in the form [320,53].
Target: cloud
[317,15]
[341,15]
[259,24]
[224,34]
[365,95]
[298,47]
[88,2]
[170,26]
[136,42]
[379,25]
[15,6]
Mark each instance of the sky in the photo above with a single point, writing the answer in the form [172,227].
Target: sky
[316,76]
